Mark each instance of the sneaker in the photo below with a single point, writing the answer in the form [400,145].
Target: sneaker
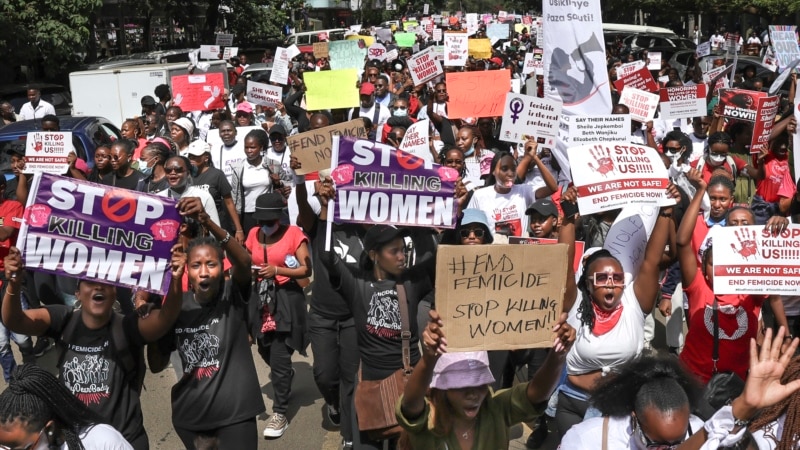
[347,445]
[43,344]
[276,426]
[334,415]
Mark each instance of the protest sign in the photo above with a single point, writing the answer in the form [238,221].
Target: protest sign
[405,39]
[533,62]
[577,130]
[654,60]
[472,23]
[682,102]
[346,55]
[292,51]
[500,297]
[224,40]
[424,66]
[415,141]
[320,50]
[796,136]
[580,247]
[642,105]
[322,36]
[362,41]
[777,84]
[280,67]
[93,232]
[497,31]
[765,119]
[784,43]
[480,48]
[438,52]
[740,104]
[750,260]
[263,94]
[627,238]
[210,51]
[455,49]
[641,79]
[47,151]
[200,92]
[230,52]
[375,183]
[376,51]
[331,89]
[629,68]
[610,176]
[717,74]
[703,49]
[437,34]
[384,35]
[527,117]
[314,148]
[477,94]
[769,61]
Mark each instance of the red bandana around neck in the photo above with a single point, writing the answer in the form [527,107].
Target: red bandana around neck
[605,321]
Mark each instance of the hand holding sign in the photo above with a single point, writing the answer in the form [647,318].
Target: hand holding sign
[434,342]
[192,207]
[14,266]
[178,261]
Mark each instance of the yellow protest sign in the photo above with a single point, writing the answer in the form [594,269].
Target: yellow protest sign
[313,148]
[331,89]
[480,48]
[500,297]
[368,40]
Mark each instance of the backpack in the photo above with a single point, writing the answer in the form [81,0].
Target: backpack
[119,346]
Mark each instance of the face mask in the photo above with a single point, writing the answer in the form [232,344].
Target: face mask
[716,160]
[505,185]
[269,230]
[146,171]
[400,112]
[470,151]
[674,156]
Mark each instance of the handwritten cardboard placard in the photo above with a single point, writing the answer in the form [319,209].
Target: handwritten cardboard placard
[580,247]
[627,238]
[263,94]
[477,94]
[500,297]
[682,102]
[480,48]
[47,151]
[641,104]
[313,148]
[749,260]
[527,117]
[455,49]
[198,92]
[320,50]
[424,66]
[346,55]
[610,176]
[703,49]
[405,39]
[331,89]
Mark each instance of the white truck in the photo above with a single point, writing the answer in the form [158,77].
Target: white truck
[116,94]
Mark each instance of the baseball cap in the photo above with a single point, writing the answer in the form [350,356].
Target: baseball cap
[543,206]
[367,88]
[380,235]
[244,107]
[148,101]
[461,370]
[198,148]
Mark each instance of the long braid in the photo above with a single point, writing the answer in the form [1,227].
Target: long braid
[34,397]
[790,406]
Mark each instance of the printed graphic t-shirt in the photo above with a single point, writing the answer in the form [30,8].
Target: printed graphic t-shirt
[506,212]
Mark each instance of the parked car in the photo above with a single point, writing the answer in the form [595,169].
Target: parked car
[258,72]
[55,94]
[88,133]
[667,45]
[305,40]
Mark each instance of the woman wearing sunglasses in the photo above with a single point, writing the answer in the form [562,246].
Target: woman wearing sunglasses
[179,179]
[608,310]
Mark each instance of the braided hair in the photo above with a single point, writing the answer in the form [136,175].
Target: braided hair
[34,397]
[585,309]
[790,407]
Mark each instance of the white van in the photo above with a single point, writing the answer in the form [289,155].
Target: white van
[623,28]
[305,39]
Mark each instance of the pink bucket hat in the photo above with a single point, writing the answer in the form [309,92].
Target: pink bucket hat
[462,369]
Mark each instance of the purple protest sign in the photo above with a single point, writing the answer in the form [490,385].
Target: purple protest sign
[95,232]
[377,184]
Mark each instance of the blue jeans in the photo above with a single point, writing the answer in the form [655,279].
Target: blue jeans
[6,356]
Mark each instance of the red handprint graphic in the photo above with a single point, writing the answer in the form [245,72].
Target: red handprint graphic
[37,142]
[747,241]
[602,155]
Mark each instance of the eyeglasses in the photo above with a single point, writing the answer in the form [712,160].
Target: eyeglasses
[717,154]
[470,231]
[672,149]
[617,279]
[441,91]
[649,443]
[27,447]
[401,108]
[117,158]
[174,169]
[277,138]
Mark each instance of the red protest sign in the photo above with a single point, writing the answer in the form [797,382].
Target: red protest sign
[640,79]
[198,92]
[765,119]
[477,94]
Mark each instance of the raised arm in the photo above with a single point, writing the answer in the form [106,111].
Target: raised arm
[159,321]
[305,214]
[33,322]
[686,256]
[434,343]
[566,235]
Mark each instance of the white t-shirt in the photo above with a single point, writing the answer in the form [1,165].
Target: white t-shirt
[587,435]
[203,195]
[28,112]
[698,147]
[505,211]
[226,158]
[101,437]
[614,348]
[369,113]
[768,437]
[255,181]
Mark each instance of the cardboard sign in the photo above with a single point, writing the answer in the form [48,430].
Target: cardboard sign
[765,119]
[280,67]
[346,55]
[47,152]
[784,43]
[641,79]
[749,260]
[416,140]
[424,66]
[579,130]
[375,183]
[331,89]
[477,94]
[480,48]
[610,176]
[500,297]
[263,94]
[210,51]
[230,52]
[682,102]
[703,49]
[89,231]
[314,148]
[455,49]
[527,117]
[655,60]
[629,68]
[405,39]
[198,92]
[740,104]
[376,51]
[320,50]
[580,247]
[641,104]
[224,40]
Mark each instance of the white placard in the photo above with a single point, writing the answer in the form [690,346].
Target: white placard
[376,51]
[47,152]
[293,51]
[527,117]
[579,130]
[456,49]
[683,102]
[655,60]
[642,104]
[703,49]
[263,94]
[423,66]
[230,52]
[209,51]
[280,67]
[224,40]
[416,140]
[437,34]
[629,68]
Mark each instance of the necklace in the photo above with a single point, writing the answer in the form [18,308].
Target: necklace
[466,433]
